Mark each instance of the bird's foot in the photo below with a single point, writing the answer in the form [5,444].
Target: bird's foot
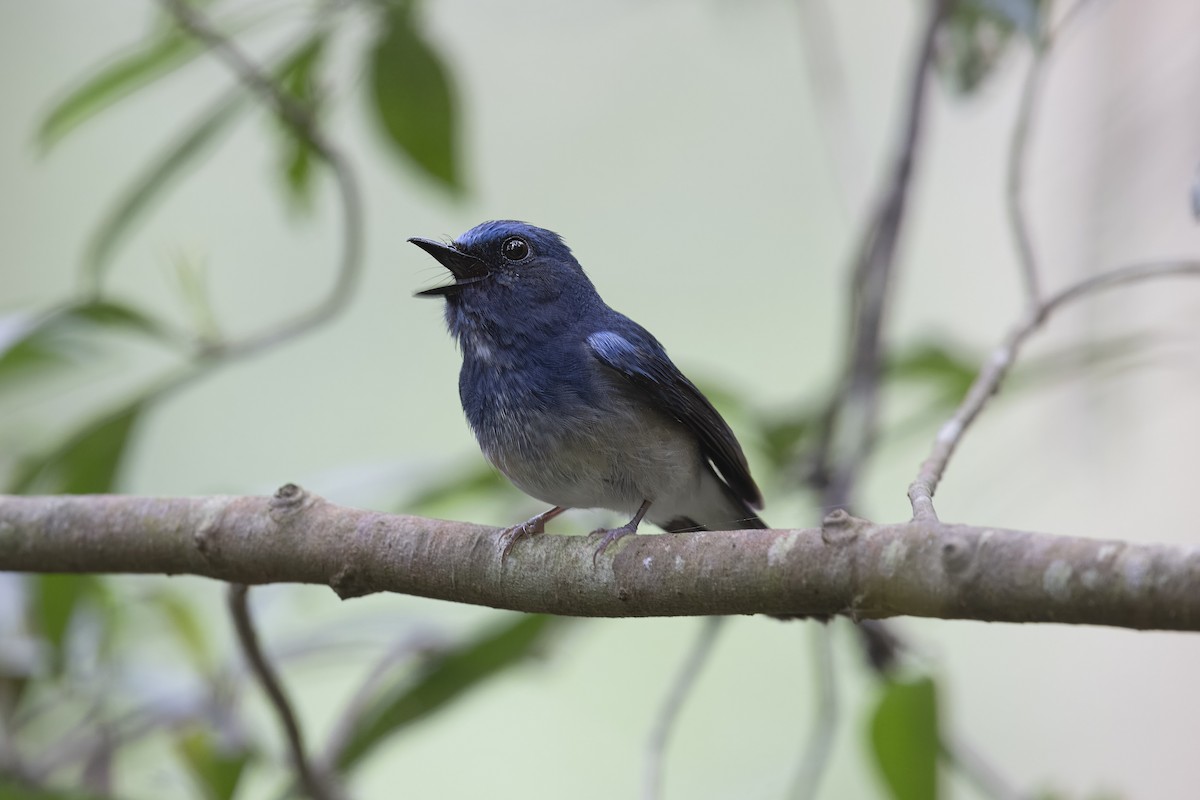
[611,535]
[510,536]
[530,527]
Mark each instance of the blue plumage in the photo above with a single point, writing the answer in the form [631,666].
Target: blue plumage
[578,405]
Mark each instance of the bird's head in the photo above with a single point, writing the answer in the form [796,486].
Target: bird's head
[508,262]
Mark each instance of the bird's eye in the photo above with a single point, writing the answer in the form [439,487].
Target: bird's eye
[515,248]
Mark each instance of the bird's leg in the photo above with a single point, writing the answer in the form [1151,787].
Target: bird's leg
[612,535]
[510,536]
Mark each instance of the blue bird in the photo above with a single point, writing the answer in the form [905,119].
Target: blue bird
[578,405]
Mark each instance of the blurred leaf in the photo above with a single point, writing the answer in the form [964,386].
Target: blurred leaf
[116,315]
[24,347]
[1112,354]
[216,769]
[185,622]
[783,438]
[948,370]
[29,342]
[977,35]
[166,50]
[299,77]
[1023,15]
[11,790]
[192,277]
[88,463]
[473,483]
[904,737]
[414,98]
[55,599]
[169,166]
[146,189]
[118,80]
[444,679]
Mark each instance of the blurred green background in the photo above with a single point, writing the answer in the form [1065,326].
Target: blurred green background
[710,164]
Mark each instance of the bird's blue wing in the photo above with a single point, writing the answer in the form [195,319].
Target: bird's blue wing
[638,358]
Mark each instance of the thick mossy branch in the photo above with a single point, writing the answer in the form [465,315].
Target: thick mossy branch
[849,566]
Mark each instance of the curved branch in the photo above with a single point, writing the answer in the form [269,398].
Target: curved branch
[1018,149]
[849,427]
[239,609]
[305,126]
[668,715]
[992,374]
[849,566]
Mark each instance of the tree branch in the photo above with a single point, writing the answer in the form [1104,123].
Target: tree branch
[316,786]
[1018,150]
[849,428]
[849,566]
[304,125]
[993,373]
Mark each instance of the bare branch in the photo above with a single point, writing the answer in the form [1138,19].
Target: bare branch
[365,697]
[980,774]
[850,425]
[314,785]
[816,754]
[1018,149]
[305,126]
[993,372]
[865,570]
[827,83]
[656,748]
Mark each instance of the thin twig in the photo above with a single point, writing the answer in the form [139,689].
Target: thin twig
[980,774]
[993,372]
[827,82]
[849,429]
[315,786]
[367,693]
[1018,149]
[656,747]
[305,126]
[816,754]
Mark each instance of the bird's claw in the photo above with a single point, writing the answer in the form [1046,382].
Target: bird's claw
[510,536]
[610,536]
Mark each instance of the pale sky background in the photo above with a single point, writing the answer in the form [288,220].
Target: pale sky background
[678,148]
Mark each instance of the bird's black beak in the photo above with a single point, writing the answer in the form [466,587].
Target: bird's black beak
[465,267]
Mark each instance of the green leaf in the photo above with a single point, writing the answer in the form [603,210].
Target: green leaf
[25,348]
[977,35]
[443,680]
[948,370]
[118,80]
[11,790]
[31,343]
[87,463]
[414,99]
[299,77]
[216,769]
[166,50]
[185,622]
[783,438]
[472,483]
[169,165]
[55,600]
[1023,15]
[904,737]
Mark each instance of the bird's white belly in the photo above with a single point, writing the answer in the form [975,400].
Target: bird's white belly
[615,459]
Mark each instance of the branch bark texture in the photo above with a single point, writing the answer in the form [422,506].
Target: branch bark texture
[848,566]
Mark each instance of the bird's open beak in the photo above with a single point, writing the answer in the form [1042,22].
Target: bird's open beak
[465,267]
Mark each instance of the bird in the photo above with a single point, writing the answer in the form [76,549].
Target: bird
[575,403]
